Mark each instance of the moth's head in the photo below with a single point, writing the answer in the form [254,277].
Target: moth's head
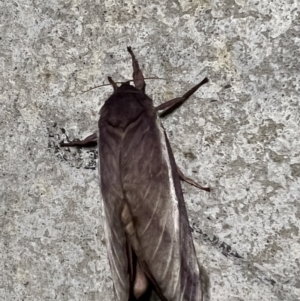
[138,78]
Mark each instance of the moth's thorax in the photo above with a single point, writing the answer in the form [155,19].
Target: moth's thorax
[125,106]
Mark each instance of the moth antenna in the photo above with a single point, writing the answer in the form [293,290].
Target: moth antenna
[131,80]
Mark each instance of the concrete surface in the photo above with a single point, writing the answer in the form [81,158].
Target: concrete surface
[239,134]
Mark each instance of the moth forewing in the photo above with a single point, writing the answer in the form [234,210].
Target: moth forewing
[149,242]
[173,196]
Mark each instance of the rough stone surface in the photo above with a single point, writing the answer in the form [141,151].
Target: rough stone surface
[239,134]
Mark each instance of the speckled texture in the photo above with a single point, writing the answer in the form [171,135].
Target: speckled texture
[239,134]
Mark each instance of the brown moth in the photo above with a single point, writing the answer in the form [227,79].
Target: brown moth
[149,241]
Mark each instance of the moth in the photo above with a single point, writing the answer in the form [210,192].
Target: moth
[149,241]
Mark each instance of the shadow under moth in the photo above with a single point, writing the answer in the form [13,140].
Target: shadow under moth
[149,242]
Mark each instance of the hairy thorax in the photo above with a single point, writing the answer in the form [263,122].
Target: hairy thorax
[125,106]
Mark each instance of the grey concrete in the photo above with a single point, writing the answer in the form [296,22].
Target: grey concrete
[239,134]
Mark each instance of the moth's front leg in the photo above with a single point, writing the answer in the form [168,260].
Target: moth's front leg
[138,77]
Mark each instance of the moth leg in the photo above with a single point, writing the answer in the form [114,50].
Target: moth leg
[138,77]
[175,103]
[141,282]
[90,140]
[111,81]
[191,181]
